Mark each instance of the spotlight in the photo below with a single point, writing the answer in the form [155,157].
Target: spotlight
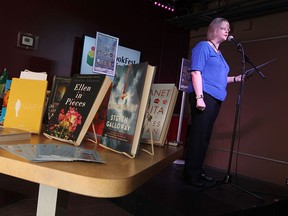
[165,5]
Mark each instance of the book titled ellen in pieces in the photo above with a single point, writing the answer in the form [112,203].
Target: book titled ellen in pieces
[77,108]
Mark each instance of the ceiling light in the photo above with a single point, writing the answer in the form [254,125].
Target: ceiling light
[165,5]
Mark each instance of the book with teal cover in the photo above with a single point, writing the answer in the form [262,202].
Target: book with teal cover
[127,108]
[5,100]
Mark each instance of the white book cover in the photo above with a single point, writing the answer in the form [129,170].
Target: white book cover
[162,102]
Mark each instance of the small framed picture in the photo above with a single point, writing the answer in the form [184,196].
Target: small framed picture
[105,54]
[27,41]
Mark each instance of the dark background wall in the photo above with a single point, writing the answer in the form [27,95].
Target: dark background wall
[61,25]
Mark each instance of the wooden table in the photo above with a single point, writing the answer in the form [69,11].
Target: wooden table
[118,177]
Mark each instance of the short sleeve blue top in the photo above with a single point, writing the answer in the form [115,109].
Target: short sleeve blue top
[214,70]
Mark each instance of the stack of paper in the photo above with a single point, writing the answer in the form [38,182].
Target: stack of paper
[53,152]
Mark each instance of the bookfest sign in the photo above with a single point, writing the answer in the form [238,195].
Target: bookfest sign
[124,56]
[127,56]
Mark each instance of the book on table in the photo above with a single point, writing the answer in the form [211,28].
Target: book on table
[37,75]
[3,79]
[163,97]
[5,100]
[26,104]
[97,126]
[58,89]
[77,108]
[127,108]
[13,134]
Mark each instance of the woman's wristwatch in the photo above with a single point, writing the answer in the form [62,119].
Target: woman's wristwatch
[199,96]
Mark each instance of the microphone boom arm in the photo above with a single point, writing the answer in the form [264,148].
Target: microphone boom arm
[239,46]
[250,71]
[246,58]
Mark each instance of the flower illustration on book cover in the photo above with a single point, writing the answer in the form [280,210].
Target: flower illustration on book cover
[67,124]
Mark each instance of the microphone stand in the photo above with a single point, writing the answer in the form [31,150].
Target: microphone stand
[227,178]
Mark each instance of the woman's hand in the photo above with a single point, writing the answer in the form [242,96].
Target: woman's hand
[200,104]
[237,79]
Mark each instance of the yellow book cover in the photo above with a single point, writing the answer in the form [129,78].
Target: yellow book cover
[26,104]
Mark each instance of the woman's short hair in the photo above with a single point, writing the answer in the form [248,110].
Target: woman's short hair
[213,26]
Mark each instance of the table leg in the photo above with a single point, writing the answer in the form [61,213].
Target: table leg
[52,201]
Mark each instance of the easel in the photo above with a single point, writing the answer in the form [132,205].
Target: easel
[178,141]
[185,78]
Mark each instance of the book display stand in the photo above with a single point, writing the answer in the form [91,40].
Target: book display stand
[94,140]
[149,118]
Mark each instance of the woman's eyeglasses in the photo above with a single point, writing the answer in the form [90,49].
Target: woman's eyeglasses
[226,29]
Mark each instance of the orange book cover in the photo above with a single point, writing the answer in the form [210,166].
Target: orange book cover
[26,104]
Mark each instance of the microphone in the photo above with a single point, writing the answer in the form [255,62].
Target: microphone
[232,39]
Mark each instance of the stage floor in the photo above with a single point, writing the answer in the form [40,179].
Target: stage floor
[165,194]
